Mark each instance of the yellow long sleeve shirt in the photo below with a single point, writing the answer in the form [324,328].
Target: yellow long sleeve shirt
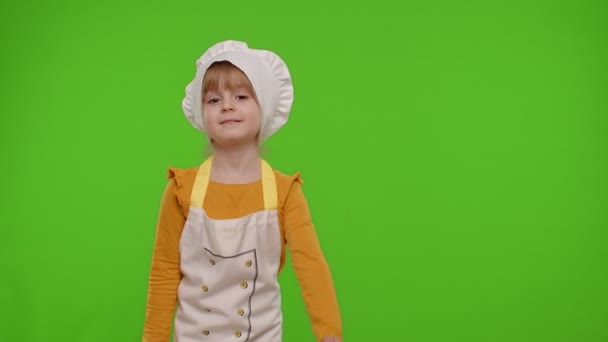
[225,201]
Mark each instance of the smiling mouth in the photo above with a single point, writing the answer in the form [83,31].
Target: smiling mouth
[230,122]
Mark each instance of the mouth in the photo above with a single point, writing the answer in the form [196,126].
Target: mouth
[229,122]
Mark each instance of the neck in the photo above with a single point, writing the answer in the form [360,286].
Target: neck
[235,164]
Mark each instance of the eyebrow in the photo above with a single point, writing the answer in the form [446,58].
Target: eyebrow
[235,89]
[241,88]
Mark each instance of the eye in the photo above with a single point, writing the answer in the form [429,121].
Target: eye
[213,100]
[242,97]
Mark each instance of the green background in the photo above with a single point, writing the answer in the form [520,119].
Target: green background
[454,153]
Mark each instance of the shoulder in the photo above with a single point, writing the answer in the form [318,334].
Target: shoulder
[285,180]
[293,205]
[181,181]
[182,174]
[288,185]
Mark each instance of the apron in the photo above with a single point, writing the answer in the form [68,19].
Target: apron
[229,289]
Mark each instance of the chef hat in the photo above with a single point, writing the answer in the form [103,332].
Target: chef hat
[265,70]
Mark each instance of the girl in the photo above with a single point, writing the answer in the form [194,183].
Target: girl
[223,227]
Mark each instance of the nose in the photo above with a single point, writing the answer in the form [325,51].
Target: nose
[227,105]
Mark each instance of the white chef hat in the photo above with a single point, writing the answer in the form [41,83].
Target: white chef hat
[265,70]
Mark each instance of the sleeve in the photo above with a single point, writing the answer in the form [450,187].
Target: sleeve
[165,272]
[310,266]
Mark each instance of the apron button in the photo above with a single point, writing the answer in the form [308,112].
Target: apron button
[237,333]
[212,262]
[205,332]
[244,285]
[248,263]
[240,312]
[205,288]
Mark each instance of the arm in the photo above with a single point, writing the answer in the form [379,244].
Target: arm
[165,272]
[311,268]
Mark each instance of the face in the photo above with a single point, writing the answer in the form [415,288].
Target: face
[231,116]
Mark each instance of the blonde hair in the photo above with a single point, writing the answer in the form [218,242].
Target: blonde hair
[223,75]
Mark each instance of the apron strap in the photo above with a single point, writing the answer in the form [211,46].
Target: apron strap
[269,185]
[201,182]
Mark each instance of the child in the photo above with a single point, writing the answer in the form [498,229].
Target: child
[223,227]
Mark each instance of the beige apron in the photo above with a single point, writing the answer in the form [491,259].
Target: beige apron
[229,289]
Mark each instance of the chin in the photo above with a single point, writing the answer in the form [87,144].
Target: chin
[235,141]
